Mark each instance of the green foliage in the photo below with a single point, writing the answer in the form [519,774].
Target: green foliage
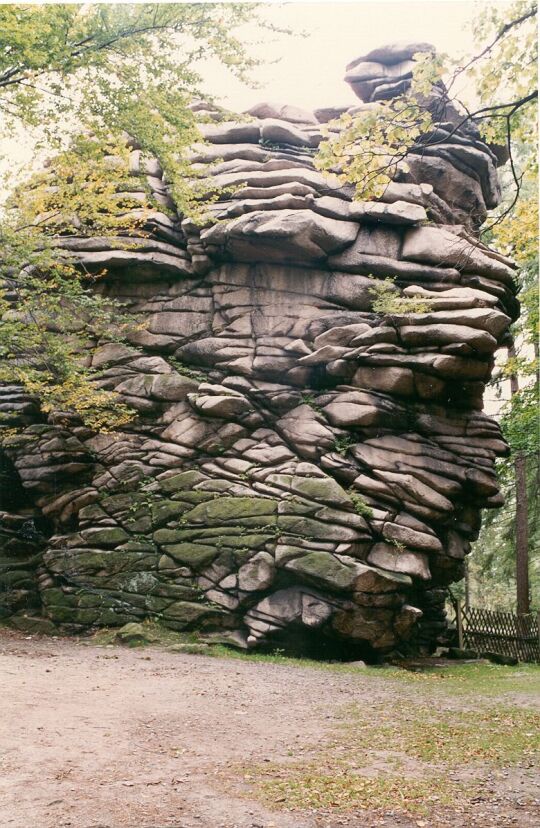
[508,70]
[397,544]
[49,319]
[370,147]
[492,577]
[511,65]
[492,563]
[85,190]
[81,79]
[343,443]
[387,300]
[117,69]
[58,62]
[309,399]
[519,422]
[360,506]
[180,368]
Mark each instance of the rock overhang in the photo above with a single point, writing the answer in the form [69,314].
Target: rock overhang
[299,460]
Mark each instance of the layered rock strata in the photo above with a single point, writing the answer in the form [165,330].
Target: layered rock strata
[299,463]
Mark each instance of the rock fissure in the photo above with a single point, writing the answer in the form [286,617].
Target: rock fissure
[300,465]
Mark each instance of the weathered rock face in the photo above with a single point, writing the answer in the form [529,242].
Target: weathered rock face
[299,462]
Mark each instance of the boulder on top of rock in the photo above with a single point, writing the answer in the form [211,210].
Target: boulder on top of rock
[284,235]
[369,70]
[393,53]
[282,112]
[441,247]
[303,463]
[274,131]
[228,132]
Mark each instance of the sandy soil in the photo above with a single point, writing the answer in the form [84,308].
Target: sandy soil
[96,737]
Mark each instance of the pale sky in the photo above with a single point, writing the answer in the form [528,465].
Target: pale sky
[308,71]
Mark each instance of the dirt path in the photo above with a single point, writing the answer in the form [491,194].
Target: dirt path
[119,738]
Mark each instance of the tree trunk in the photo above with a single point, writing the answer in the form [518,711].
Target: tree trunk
[522,536]
[522,515]
[467,586]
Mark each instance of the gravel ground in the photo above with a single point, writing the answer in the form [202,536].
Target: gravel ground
[94,737]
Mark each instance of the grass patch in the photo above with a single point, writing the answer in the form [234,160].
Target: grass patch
[155,634]
[491,736]
[342,788]
[480,679]
[290,661]
[400,757]
[160,636]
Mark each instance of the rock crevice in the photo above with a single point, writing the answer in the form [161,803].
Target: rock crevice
[299,460]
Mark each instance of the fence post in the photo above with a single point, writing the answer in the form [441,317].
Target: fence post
[538,625]
[459,623]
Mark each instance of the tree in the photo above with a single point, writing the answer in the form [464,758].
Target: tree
[368,149]
[57,60]
[82,78]
[515,231]
[517,536]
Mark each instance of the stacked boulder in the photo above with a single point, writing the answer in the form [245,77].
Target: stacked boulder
[451,158]
[386,72]
[300,464]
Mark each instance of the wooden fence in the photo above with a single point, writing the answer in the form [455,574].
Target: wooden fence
[499,632]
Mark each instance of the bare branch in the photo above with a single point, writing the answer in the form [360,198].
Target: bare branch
[489,113]
[517,178]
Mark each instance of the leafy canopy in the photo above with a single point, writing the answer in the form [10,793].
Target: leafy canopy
[49,320]
[114,69]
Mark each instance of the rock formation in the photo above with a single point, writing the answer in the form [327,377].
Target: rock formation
[299,463]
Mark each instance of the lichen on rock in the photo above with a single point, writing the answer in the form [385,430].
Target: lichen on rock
[299,460]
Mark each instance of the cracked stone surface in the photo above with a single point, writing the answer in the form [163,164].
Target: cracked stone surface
[299,464]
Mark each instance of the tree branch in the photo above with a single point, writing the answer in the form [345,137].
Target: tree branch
[489,110]
[517,179]
[503,31]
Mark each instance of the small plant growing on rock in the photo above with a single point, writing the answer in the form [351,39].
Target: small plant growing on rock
[343,444]
[386,300]
[398,544]
[309,399]
[182,369]
[360,506]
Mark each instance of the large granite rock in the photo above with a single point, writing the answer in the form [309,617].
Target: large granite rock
[299,463]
